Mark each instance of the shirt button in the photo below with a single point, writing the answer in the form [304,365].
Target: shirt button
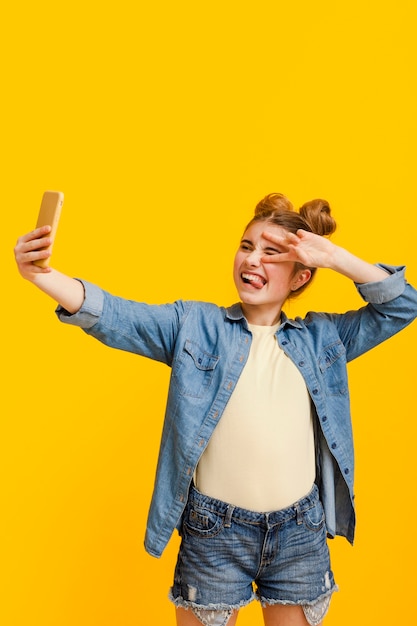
[216,415]
[346,470]
[315,391]
[324,418]
[201,443]
[284,343]
[301,363]
[334,446]
[230,385]
[241,358]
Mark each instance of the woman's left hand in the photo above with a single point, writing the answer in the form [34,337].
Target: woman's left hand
[303,247]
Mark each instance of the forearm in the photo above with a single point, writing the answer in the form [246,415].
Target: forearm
[351,266]
[68,292]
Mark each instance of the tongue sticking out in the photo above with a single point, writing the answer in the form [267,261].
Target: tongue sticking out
[252,279]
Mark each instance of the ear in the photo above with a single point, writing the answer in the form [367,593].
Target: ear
[301,278]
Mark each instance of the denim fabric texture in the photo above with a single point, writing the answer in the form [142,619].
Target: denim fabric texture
[225,549]
[206,347]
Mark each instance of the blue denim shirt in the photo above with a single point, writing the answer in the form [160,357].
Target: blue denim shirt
[207,346]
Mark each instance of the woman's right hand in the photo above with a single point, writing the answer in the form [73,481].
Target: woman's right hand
[30,248]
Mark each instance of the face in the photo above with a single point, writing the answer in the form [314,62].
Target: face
[262,287]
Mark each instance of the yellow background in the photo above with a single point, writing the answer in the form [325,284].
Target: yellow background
[164,123]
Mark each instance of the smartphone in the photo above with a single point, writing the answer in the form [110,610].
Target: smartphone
[49,214]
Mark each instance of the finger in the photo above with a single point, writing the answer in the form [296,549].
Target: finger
[271,258]
[277,258]
[31,268]
[40,232]
[38,244]
[41,270]
[281,239]
[37,233]
[302,234]
[32,251]
[267,234]
[27,256]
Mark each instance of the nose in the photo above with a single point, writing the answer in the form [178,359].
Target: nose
[254,258]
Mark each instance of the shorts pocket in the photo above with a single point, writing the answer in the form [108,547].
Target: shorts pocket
[202,523]
[314,518]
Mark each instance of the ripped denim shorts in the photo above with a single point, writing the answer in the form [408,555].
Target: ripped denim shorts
[230,556]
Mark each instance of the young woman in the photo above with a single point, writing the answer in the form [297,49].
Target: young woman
[256,461]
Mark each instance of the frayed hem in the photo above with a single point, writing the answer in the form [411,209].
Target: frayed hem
[181,603]
[271,601]
[314,611]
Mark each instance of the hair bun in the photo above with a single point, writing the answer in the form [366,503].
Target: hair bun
[317,214]
[271,203]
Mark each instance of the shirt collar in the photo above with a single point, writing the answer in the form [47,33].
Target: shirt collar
[235,314]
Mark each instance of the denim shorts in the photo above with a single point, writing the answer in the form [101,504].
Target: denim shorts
[230,556]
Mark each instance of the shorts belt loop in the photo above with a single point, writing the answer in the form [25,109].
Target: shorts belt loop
[298,514]
[228,519]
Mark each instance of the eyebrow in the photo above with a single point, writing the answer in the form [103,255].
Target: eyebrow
[267,249]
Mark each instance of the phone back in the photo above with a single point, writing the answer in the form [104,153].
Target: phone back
[49,214]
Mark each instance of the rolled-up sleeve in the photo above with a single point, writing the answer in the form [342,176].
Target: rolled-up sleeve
[90,311]
[384,290]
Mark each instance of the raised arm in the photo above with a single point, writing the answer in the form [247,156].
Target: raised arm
[316,251]
[68,292]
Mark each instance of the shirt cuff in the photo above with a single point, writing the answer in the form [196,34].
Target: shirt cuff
[90,311]
[387,289]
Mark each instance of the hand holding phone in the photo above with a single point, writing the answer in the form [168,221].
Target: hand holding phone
[49,214]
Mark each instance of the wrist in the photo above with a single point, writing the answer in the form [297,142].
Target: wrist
[339,258]
[355,268]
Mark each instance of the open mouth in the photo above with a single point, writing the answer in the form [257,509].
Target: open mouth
[253,279]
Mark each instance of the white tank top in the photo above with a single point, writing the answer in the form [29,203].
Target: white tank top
[261,455]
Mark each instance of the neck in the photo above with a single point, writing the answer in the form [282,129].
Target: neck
[255,314]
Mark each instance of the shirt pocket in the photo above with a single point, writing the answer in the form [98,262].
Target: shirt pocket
[332,364]
[193,372]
